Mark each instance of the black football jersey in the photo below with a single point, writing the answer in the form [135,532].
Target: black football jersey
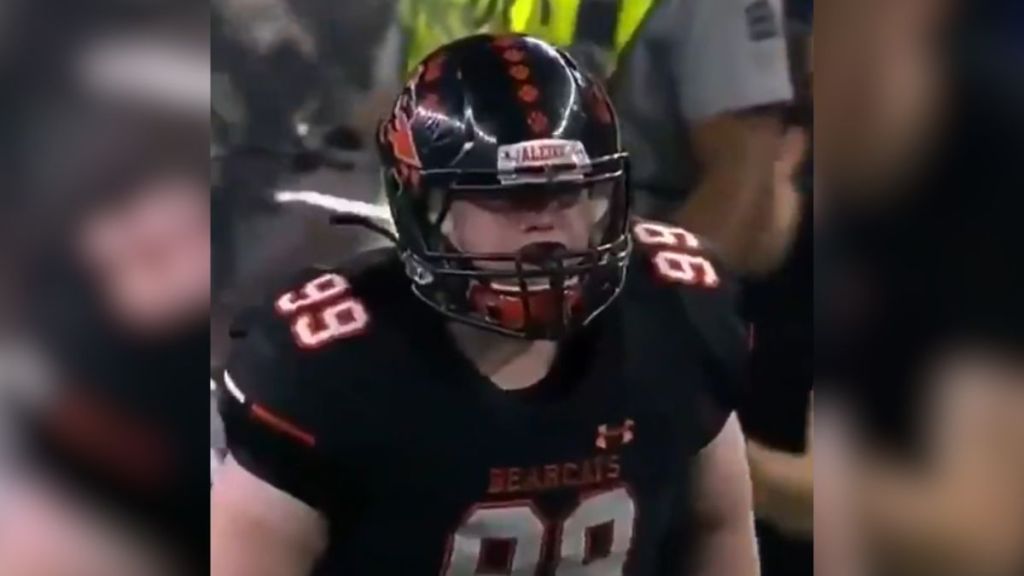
[347,392]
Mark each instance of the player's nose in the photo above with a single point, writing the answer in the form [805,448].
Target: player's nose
[540,219]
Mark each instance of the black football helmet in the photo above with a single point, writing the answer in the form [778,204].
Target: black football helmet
[507,119]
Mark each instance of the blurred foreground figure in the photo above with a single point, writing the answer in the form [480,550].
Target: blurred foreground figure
[919,290]
[113,286]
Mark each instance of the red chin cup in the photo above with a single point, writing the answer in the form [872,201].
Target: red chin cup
[508,308]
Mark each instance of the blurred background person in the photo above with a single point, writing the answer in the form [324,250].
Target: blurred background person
[778,409]
[703,89]
[917,287]
[108,275]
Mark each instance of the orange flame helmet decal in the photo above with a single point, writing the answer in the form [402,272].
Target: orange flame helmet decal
[398,133]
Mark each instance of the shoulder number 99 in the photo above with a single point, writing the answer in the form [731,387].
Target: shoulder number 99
[511,538]
[672,259]
[321,311]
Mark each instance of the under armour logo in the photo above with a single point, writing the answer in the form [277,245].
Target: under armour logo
[614,435]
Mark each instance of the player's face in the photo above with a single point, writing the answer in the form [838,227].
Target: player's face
[572,218]
[151,254]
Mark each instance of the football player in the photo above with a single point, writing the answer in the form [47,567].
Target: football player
[531,383]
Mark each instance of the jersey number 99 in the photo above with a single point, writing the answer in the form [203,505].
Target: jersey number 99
[321,311]
[671,257]
[511,538]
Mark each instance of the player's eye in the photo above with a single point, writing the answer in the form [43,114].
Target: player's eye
[529,200]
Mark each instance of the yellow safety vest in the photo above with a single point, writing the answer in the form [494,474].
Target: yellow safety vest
[554,21]
[431,23]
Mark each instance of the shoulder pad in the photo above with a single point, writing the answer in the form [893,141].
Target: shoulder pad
[307,342]
[668,258]
[677,257]
[323,306]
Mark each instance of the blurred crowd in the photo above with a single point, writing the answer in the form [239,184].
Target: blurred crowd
[884,272]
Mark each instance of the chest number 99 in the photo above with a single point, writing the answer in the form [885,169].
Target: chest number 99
[511,538]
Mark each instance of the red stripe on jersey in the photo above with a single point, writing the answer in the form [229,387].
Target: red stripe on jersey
[283,425]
